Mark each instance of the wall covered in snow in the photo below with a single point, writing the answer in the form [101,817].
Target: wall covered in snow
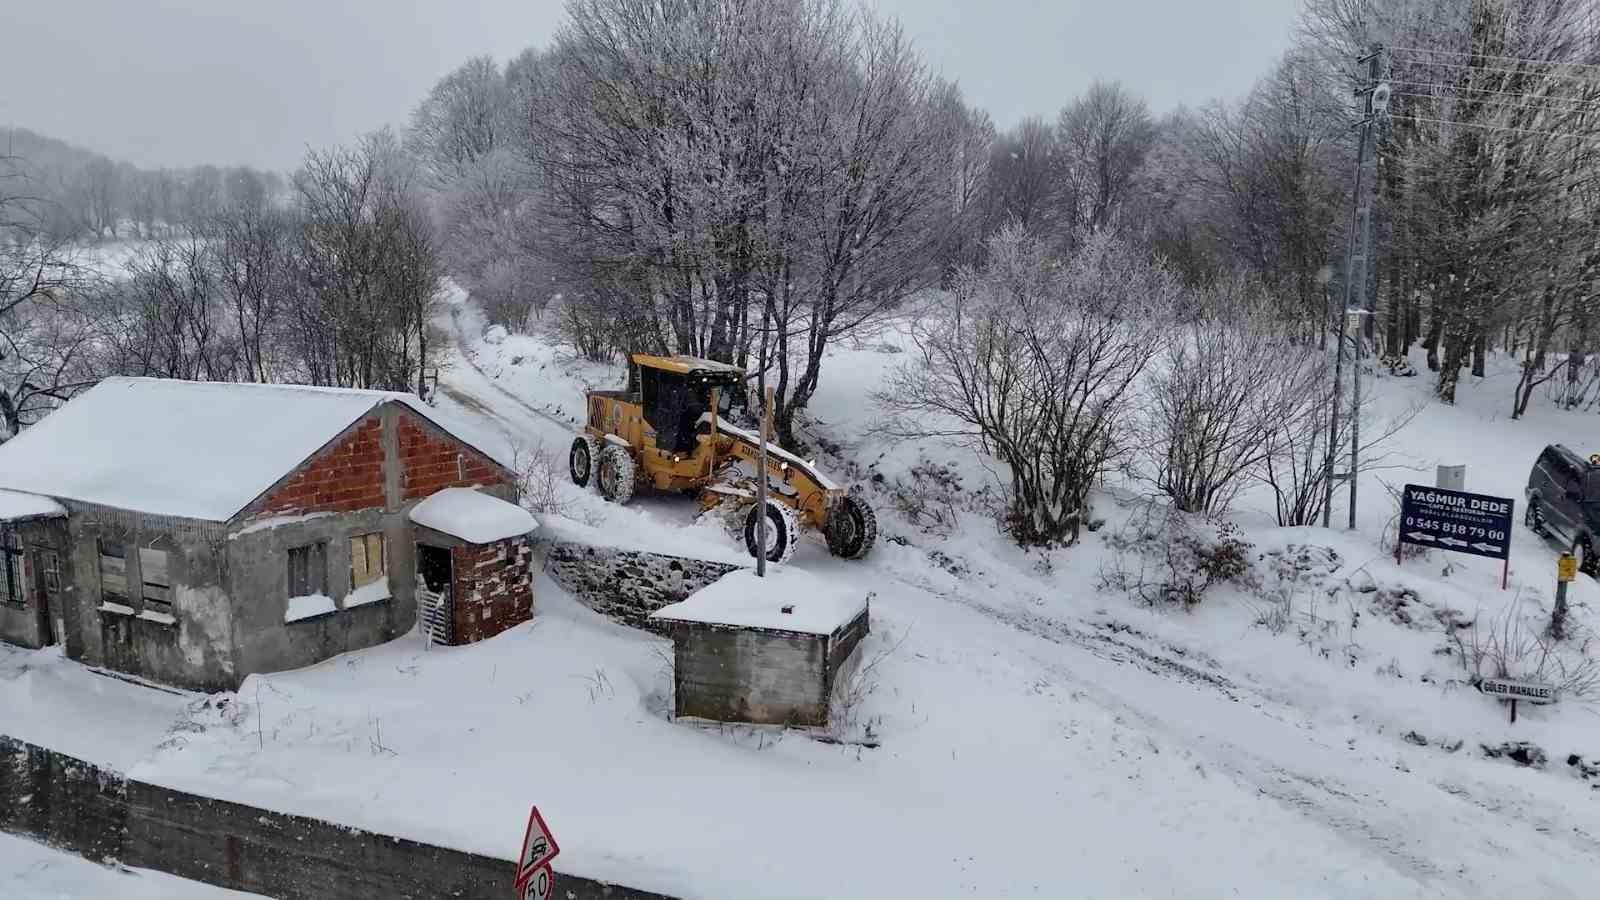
[100,814]
[628,585]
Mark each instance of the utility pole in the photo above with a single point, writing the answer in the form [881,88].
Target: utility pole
[1376,101]
[761,463]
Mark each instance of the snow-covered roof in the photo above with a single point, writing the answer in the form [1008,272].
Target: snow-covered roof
[16,505]
[744,600]
[201,450]
[473,516]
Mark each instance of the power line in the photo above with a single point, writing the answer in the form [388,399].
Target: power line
[1556,111]
[1517,59]
[1566,134]
[1477,90]
[1449,65]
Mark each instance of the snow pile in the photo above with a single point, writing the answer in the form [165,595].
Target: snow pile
[15,506]
[373,592]
[787,599]
[308,607]
[473,516]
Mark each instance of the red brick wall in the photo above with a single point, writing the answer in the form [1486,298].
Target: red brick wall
[430,464]
[493,588]
[347,476]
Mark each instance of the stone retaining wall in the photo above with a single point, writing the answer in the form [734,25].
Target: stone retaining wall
[627,585]
[99,814]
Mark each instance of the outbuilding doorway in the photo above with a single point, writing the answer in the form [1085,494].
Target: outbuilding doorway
[434,613]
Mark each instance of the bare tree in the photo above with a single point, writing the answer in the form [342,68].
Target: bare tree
[1103,137]
[1023,185]
[1035,362]
[1227,386]
[41,332]
[466,116]
[370,268]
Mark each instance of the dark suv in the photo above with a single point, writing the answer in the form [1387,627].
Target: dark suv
[1564,503]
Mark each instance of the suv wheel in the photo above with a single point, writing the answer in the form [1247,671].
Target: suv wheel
[1588,561]
[1534,519]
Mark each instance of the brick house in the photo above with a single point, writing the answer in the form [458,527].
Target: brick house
[194,533]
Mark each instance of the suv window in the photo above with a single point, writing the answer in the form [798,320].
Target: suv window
[1591,485]
[1559,467]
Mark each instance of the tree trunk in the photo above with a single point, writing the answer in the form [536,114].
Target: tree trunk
[1431,341]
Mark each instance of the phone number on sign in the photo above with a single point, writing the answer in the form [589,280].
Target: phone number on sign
[1434,525]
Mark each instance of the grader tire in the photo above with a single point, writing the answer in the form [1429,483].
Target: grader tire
[581,460]
[852,528]
[783,531]
[615,474]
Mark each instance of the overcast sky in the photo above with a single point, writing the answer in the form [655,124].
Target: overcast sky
[181,82]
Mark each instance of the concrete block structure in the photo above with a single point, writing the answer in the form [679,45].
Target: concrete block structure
[196,533]
[764,651]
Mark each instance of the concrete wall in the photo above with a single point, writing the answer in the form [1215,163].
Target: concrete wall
[196,651]
[745,675]
[761,676]
[101,815]
[24,624]
[258,563]
[628,585]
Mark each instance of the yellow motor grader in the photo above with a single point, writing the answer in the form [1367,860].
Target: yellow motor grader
[669,431]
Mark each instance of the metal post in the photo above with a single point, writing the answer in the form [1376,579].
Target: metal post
[761,475]
[1333,429]
[1355,413]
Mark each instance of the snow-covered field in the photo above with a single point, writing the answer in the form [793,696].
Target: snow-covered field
[1032,733]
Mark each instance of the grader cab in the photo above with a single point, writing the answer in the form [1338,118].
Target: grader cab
[669,431]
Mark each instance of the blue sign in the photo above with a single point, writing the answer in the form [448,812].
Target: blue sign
[1456,520]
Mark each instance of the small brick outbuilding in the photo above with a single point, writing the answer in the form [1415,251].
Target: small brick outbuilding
[199,532]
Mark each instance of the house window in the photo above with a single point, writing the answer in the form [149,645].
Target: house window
[308,570]
[10,568]
[113,572]
[367,561]
[157,586]
[51,563]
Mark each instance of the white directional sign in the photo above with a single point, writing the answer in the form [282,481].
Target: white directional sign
[538,848]
[538,885]
[1512,689]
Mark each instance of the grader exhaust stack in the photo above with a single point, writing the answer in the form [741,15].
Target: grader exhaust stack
[671,434]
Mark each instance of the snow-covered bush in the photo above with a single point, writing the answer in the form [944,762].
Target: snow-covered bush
[1165,557]
[1034,361]
[1512,646]
[1224,389]
[540,478]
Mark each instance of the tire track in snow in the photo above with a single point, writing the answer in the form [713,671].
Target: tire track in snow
[460,393]
[1397,831]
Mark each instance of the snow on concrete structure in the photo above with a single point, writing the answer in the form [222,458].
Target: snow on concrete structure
[487,544]
[207,531]
[762,650]
[473,516]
